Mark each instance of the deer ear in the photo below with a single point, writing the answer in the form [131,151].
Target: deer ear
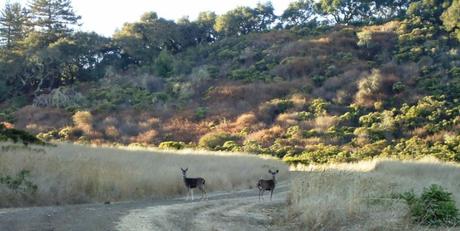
[186,169]
[269,171]
[277,171]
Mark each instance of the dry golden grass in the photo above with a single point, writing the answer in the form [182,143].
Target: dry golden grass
[78,174]
[360,196]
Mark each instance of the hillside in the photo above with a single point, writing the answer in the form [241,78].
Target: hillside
[313,92]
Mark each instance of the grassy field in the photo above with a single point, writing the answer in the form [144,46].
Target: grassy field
[78,174]
[361,196]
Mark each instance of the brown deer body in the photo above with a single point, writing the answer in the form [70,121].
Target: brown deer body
[192,183]
[267,185]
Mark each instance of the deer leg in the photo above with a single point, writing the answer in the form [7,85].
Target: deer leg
[203,193]
[188,192]
[271,194]
[192,193]
[263,190]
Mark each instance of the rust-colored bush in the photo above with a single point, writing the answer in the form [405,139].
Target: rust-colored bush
[36,120]
[147,137]
[266,137]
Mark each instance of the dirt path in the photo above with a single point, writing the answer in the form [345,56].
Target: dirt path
[223,211]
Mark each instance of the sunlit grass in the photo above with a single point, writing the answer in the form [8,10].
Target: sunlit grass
[77,174]
[363,196]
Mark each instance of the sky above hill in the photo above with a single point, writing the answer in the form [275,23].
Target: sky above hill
[105,16]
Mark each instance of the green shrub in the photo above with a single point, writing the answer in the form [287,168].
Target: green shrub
[319,154]
[254,147]
[172,145]
[200,113]
[319,106]
[215,141]
[19,183]
[435,207]
[271,109]
[15,135]
[231,146]
[4,90]
[48,136]
[70,133]
[163,64]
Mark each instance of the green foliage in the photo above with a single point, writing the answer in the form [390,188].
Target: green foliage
[14,22]
[435,207]
[163,65]
[4,90]
[451,19]
[215,141]
[49,136]
[53,17]
[345,11]
[271,109]
[319,106]
[11,134]
[299,13]
[172,145]
[319,154]
[109,97]
[200,113]
[243,20]
[249,74]
[19,183]
[231,146]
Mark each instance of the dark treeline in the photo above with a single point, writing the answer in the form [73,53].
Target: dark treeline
[41,51]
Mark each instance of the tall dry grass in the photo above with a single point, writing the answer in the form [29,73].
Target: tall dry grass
[361,196]
[79,174]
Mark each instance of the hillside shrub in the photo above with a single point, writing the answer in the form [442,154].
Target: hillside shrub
[435,207]
[83,120]
[273,108]
[216,140]
[172,145]
[15,135]
[231,146]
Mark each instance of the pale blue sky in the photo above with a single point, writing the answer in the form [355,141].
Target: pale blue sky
[104,16]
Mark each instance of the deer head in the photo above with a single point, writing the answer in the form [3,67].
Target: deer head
[273,172]
[184,171]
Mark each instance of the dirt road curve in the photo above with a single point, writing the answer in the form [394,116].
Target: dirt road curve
[223,211]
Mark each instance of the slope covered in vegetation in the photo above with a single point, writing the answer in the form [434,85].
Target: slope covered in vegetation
[333,81]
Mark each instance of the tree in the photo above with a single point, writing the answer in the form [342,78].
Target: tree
[92,54]
[13,24]
[54,18]
[299,13]
[451,19]
[142,41]
[244,20]
[345,11]
[389,9]
[238,21]
[264,16]
[427,11]
[205,22]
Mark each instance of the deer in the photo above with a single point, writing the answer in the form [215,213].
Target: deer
[267,185]
[191,183]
